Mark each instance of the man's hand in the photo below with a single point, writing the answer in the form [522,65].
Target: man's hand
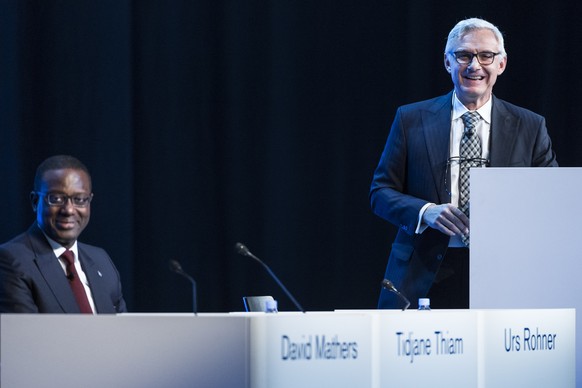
[447,219]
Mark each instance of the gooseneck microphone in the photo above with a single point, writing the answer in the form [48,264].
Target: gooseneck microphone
[387,284]
[244,251]
[177,268]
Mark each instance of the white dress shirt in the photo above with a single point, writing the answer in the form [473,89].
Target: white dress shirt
[58,249]
[483,130]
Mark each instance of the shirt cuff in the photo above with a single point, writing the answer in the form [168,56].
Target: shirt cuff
[421,226]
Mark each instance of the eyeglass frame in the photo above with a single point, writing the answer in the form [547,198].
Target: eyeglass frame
[67,198]
[481,162]
[473,56]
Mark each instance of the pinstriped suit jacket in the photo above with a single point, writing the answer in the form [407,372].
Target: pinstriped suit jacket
[411,172]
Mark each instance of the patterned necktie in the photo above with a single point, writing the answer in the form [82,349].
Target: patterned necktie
[75,283]
[470,153]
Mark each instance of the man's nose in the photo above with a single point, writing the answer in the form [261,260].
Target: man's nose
[68,206]
[474,64]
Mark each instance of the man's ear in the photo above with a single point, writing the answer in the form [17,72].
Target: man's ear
[447,63]
[502,66]
[34,197]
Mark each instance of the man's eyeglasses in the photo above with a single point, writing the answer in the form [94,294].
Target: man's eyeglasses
[465,57]
[470,162]
[78,200]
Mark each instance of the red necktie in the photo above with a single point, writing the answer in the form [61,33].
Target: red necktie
[75,283]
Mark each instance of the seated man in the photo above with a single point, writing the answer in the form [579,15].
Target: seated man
[45,269]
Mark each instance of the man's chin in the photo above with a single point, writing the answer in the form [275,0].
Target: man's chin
[65,238]
[473,96]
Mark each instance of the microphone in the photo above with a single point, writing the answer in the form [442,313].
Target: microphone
[70,276]
[244,251]
[177,268]
[387,284]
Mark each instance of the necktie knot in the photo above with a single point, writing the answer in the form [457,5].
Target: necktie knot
[69,256]
[470,119]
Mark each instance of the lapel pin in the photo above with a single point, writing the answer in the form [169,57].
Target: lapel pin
[99,273]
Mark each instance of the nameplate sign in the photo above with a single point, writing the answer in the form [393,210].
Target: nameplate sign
[428,348]
[528,348]
[311,349]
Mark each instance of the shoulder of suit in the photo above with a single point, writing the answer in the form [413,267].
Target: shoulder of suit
[15,240]
[433,104]
[513,109]
[28,238]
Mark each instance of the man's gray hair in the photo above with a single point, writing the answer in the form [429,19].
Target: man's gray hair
[465,26]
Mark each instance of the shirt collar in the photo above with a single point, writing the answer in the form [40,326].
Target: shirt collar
[58,249]
[459,109]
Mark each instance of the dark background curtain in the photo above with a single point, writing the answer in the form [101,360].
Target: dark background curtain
[205,123]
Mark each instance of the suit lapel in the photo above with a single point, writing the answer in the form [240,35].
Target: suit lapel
[96,282]
[503,134]
[52,272]
[436,121]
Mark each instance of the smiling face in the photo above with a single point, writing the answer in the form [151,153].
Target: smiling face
[474,82]
[62,223]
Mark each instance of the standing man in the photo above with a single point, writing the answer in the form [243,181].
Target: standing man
[45,269]
[421,182]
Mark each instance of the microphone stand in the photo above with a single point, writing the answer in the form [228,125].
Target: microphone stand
[243,250]
[177,268]
[387,284]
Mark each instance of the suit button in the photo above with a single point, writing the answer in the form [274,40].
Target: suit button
[439,257]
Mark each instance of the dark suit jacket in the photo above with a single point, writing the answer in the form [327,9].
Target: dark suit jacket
[411,172]
[33,281]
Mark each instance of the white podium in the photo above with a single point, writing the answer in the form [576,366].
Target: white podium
[525,240]
[123,351]
[368,348]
